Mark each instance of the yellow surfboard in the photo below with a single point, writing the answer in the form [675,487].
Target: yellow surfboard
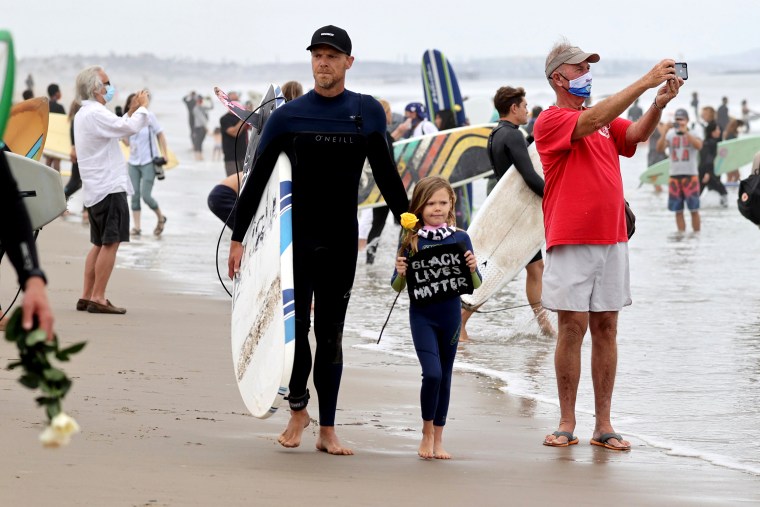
[27,127]
[171,158]
[58,141]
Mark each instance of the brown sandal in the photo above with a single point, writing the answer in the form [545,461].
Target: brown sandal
[160,226]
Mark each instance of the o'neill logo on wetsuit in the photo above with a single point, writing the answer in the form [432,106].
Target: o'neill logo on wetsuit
[333,139]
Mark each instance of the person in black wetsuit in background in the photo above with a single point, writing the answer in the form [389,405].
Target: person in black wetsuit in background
[507,146]
[706,168]
[327,134]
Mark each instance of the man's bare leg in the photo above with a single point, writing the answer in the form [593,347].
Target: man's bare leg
[533,286]
[603,370]
[104,264]
[680,221]
[291,437]
[438,451]
[696,221]
[328,442]
[567,365]
[466,314]
[89,272]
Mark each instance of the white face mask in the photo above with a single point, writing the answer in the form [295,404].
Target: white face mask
[580,86]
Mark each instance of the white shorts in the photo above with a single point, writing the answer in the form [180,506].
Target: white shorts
[365,222]
[586,278]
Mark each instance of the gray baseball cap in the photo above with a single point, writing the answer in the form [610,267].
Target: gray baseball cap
[570,55]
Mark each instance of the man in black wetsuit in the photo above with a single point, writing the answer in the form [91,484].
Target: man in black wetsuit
[507,146]
[16,239]
[327,134]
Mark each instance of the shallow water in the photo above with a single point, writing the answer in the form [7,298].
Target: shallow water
[689,346]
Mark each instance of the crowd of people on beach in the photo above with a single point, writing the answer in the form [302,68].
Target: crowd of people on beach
[583,276]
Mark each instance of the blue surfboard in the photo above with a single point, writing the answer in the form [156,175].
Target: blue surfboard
[441,86]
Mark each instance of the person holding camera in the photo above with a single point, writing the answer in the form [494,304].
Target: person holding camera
[145,165]
[105,181]
[683,185]
[586,276]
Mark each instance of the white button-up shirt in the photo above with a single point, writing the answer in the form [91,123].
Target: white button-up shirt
[142,146]
[101,163]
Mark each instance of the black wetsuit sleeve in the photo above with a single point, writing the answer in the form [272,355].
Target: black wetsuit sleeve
[517,146]
[385,173]
[15,228]
[249,199]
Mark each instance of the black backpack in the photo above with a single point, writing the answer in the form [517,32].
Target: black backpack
[749,198]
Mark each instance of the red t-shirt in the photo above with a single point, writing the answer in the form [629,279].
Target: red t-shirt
[583,198]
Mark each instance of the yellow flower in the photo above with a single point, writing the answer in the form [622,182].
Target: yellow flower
[59,432]
[408,220]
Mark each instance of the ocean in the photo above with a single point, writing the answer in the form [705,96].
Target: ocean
[688,380]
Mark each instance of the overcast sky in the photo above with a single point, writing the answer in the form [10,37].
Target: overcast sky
[253,31]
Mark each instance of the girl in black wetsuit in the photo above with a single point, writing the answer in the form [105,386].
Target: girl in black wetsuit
[435,327]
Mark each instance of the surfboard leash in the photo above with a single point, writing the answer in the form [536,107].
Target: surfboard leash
[507,308]
[388,317]
[219,241]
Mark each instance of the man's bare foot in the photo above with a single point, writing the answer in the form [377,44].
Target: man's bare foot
[328,442]
[298,422]
[610,440]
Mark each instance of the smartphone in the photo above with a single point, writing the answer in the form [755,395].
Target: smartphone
[682,70]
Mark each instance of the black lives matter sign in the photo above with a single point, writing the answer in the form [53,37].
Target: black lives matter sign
[438,273]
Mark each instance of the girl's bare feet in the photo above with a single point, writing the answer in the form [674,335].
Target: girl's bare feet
[438,451]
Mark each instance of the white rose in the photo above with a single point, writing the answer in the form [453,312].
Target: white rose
[59,432]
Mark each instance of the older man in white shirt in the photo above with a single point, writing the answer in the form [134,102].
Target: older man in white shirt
[105,182]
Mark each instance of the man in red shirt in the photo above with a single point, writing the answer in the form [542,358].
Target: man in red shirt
[586,278]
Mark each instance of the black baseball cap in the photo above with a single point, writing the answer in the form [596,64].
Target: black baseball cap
[334,36]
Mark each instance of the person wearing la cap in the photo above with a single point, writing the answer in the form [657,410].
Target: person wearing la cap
[416,124]
[327,134]
[683,184]
[586,277]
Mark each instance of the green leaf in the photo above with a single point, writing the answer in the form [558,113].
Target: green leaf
[13,330]
[29,380]
[45,400]
[36,336]
[64,354]
[54,375]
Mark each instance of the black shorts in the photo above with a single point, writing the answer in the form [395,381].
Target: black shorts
[537,257]
[109,220]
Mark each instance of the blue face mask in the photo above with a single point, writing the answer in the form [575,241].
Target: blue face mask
[110,92]
[580,86]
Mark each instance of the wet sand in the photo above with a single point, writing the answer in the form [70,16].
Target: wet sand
[163,423]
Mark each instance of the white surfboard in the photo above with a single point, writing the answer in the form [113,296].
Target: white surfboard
[506,233]
[263,308]
[41,188]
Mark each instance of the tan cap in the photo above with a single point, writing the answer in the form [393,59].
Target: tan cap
[571,55]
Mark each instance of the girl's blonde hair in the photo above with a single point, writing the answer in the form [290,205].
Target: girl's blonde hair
[423,192]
